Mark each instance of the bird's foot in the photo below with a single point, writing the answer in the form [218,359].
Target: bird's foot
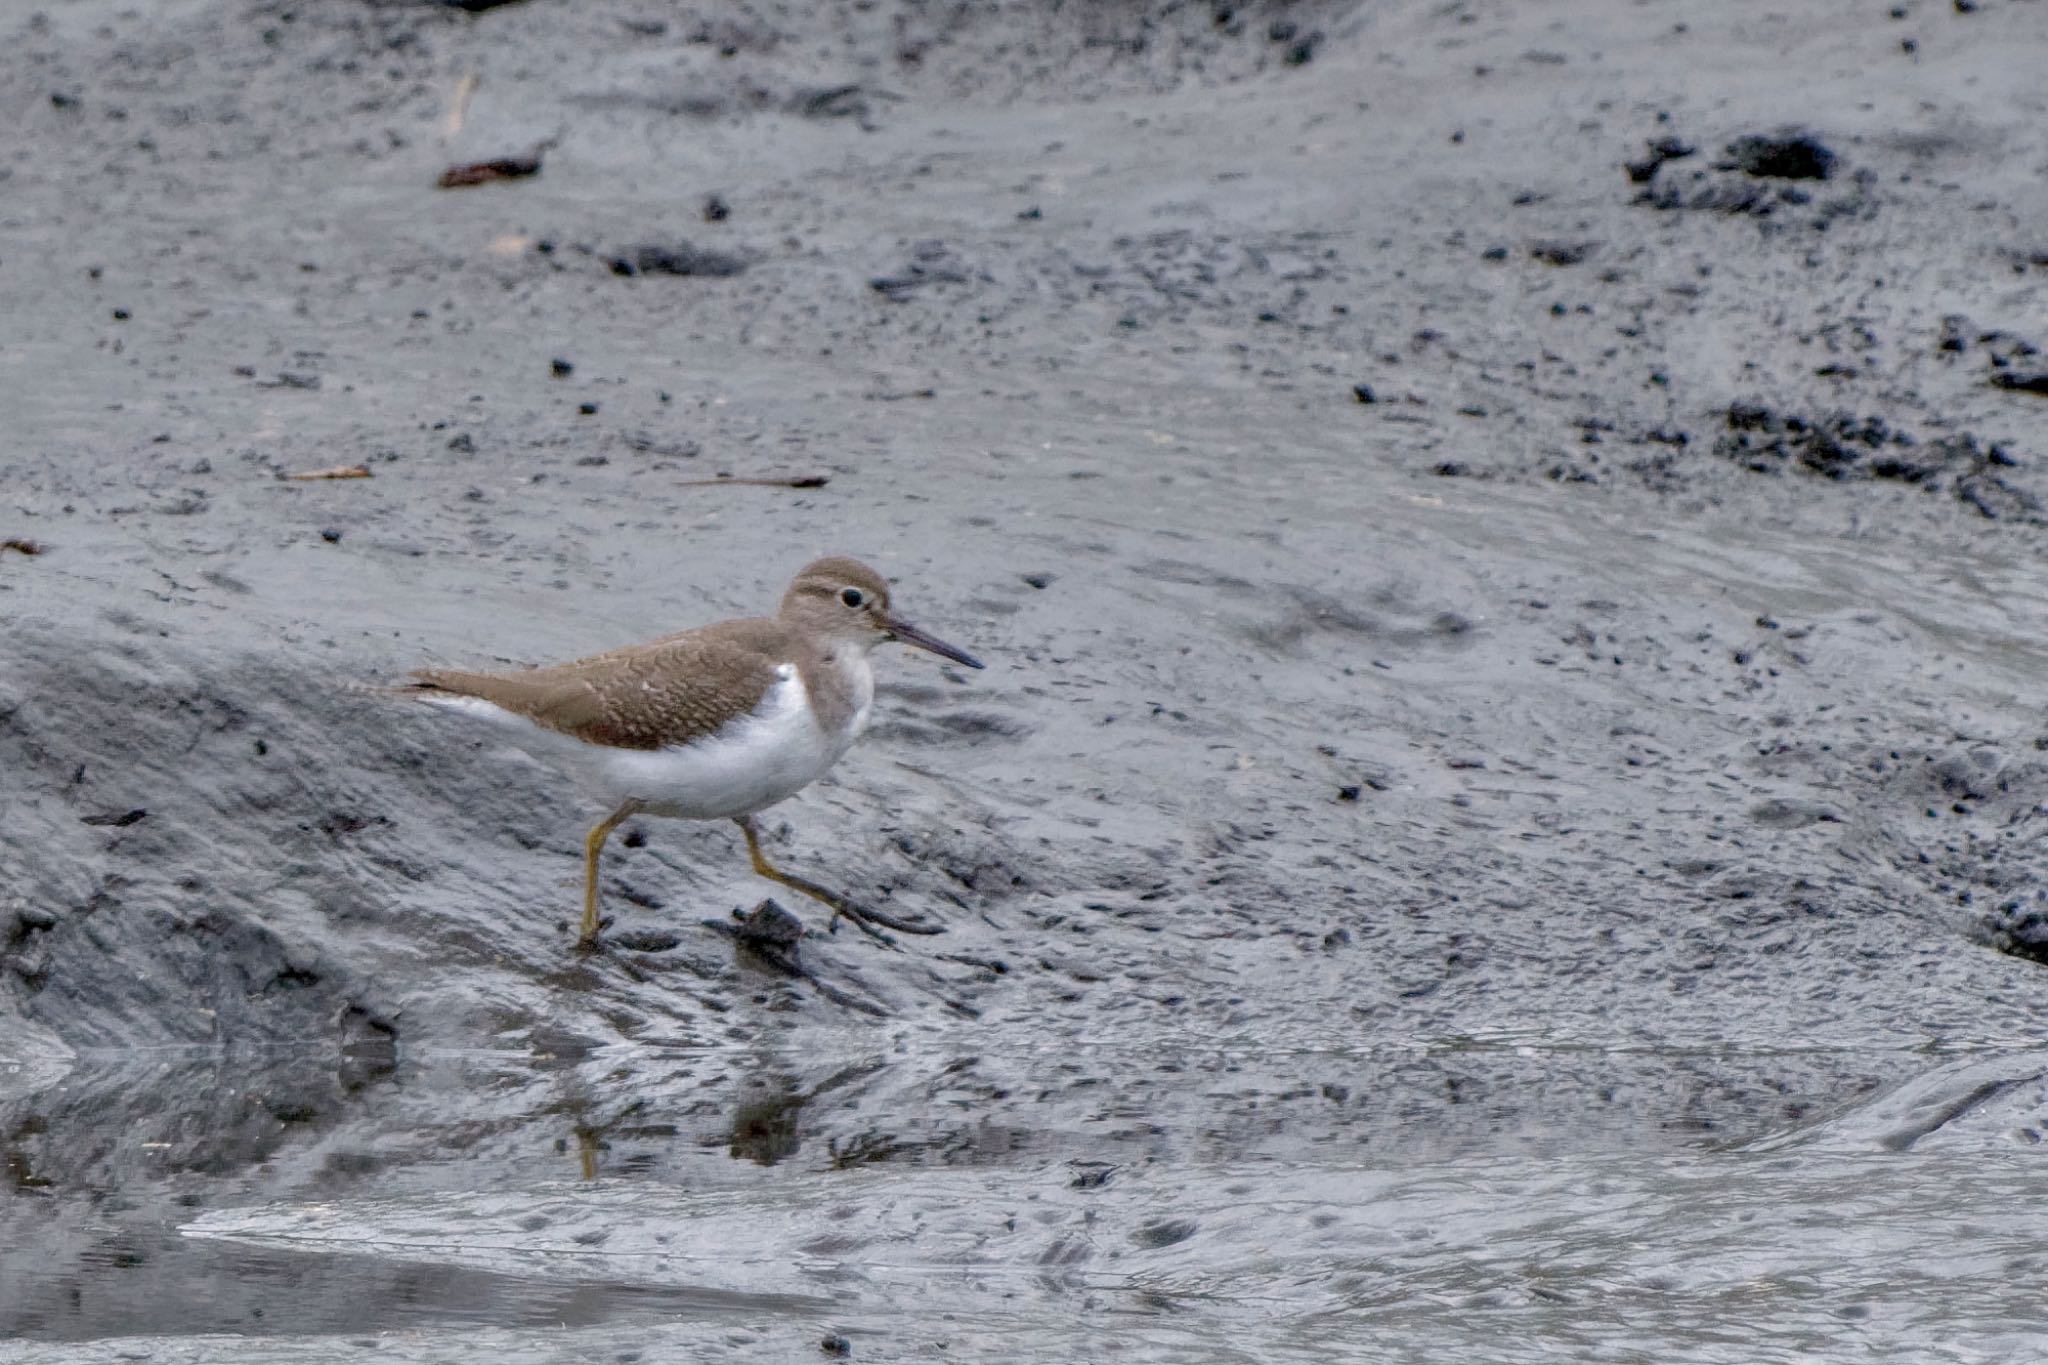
[586,941]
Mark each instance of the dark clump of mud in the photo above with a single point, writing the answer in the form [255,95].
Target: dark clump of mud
[1760,175]
[1843,446]
[2020,927]
[1793,155]
[679,259]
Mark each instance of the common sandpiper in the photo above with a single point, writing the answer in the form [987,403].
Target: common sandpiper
[715,723]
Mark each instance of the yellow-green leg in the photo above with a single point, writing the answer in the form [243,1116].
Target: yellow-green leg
[593,844]
[863,919]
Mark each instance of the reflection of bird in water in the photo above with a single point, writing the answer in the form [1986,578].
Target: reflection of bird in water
[764,1125]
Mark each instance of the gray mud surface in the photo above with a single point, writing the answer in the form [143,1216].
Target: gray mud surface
[1505,816]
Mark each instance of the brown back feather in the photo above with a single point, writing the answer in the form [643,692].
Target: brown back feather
[669,691]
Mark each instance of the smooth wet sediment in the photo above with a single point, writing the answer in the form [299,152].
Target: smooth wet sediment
[1570,822]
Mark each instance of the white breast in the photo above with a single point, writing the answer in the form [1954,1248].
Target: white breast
[764,757]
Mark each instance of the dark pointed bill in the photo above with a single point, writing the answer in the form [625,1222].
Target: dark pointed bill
[911,635]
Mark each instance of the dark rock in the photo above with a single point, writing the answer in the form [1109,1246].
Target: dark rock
[2021,381]
[1303,50]
[681,259]
[2020,927]
[644,940]
[931,263]
[1561,253]
[769,927]
[484,172]
[1660,150]
[1843,447]
[1792,155]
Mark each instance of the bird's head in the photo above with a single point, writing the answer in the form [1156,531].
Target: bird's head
[846,600]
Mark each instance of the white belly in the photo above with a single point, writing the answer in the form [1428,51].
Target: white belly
[750,764]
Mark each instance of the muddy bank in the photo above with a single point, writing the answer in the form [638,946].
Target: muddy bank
[1504,546]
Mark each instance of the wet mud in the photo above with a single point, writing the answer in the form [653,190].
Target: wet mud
[1504,812]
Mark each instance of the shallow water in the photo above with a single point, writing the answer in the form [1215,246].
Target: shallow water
[1905,1224]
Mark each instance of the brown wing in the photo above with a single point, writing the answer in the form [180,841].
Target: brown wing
[644,697]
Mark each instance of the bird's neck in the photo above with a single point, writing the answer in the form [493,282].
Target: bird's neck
[841,683]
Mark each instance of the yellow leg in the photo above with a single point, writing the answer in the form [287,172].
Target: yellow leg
[863,919]
[593,844]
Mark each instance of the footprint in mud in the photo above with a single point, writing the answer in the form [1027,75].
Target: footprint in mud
[1386,614]
[953,728]
[1398,625]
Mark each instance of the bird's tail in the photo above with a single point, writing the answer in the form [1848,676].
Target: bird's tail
[422,685]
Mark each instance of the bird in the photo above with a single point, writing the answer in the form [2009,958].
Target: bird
[718,722]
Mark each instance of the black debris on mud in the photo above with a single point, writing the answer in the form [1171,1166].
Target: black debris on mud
[931,263]
[1660,150]
[1763,176]
[1843,446]
[2015,362]
[1792,155]
[2020,927]
[675,259]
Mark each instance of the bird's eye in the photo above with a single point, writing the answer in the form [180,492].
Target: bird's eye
[853,597]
